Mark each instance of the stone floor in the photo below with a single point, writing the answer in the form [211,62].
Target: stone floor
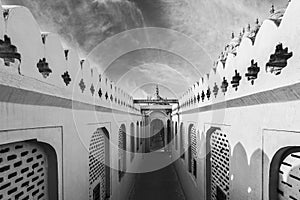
[160,184]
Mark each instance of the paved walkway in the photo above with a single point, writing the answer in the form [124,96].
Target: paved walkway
[161,184]
[158,185]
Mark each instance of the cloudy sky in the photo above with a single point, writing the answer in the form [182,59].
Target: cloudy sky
[174,60]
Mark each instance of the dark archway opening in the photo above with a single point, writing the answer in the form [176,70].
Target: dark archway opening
[157,134]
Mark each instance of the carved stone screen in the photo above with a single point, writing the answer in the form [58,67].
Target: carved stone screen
[96,164]
[23,171]
[219,166]
[122,152]
[193,142]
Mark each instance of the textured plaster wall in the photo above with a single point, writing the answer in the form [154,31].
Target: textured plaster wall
[256,128]
[29,101]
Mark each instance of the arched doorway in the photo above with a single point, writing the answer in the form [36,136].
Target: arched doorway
[141,132]
[217,164]
[182,150]
[122,151]
[168,131]
[132,152]
[137,132]
[99,165]
[157,134]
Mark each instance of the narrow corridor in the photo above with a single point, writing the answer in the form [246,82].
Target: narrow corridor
[158,185]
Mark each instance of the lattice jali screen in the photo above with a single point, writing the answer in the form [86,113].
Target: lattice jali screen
[193,149]
[220,153]
[23,171]
[96,163]
[122,152]
[289,178]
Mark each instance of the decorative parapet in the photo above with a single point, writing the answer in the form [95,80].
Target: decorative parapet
[44,58]
[273,46]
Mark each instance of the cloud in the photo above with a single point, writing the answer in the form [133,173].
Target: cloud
[83,23]
[145,77]
[210,22]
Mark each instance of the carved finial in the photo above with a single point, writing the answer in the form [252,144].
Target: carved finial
[257,21]
[44,37]
[81,63]
[272,9]
[248,27]
[232,35]
[157,92]
[66,53]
